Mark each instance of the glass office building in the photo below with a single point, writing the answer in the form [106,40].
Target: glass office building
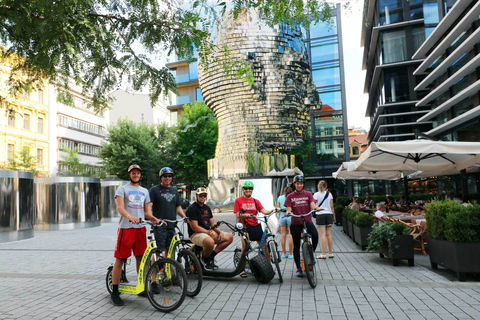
[329,128]
[392,31]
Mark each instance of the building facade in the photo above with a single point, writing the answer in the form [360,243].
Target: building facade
[329,128]
[74,127]
[391,33]
[451,76]
[186,76]
[137,107]
[23,123]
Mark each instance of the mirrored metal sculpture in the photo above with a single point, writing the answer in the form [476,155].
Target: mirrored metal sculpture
[268,117]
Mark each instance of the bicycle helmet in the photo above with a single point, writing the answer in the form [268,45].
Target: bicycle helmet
[165,170]
[248,184]
[134,166]
[298,179]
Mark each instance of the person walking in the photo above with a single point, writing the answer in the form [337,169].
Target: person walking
[325,218]
[285,224]
[300,202]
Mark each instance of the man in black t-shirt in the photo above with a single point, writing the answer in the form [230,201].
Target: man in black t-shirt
[202,231]
[166,204]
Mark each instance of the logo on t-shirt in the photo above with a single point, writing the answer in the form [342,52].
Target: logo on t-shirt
[299,201]
[168,196]
[136,198]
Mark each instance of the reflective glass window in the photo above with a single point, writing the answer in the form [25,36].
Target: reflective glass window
[193,70]
[464,106]
[447,5]
[324,49]
[394,46]
[390,11]
[40,125]
[469,131]
[323,28]
[396,86]
[461,84]
[439,119]
[199,94]
[416,9]
[418,35]
[330,98]
[26,121]
[326,74]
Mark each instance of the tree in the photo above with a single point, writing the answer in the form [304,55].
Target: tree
[24,161]
[100,43]
[129,143]
[74,167]
[197,139]
[304,152]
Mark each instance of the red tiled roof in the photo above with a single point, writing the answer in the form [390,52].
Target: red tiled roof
[362,139]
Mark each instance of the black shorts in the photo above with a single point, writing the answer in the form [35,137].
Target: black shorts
[255,233]
[324,220]
[163,237]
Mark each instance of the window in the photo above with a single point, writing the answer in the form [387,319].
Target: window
[390,11]
[328,145]
[11,120]
[193,70]
[416,9]
[323,28]
[26,95]
[324,49]
[355,151]
[338,131]
[394,46]
[340,144]
[326,74]
[39,157]
[26,121]
[40,96]
[396,86]
[418,35]
[199,94]
[40,125]
[11,151]
[331,98]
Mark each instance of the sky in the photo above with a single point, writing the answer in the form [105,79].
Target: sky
[354,75]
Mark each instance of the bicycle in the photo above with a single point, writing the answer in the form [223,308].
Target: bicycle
[308,263]
[267,241]
[179,249]
[170,279]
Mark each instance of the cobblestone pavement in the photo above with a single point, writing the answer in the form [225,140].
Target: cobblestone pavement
[61,275]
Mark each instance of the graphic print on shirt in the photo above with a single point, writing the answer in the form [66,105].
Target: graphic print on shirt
[136,198]
[205,217]
[249,206]
[299,201]
[168,196]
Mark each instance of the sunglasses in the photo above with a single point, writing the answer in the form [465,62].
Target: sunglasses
[247,188]
[202,195]
[167,176]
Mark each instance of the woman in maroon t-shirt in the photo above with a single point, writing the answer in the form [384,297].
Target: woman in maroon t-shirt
[300,202]
[251,207]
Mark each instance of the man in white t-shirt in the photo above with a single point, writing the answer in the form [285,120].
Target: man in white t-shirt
[380,213]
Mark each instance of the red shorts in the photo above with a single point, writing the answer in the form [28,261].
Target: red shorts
[131,239]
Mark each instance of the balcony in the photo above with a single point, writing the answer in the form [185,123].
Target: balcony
[183,100]
[183,78]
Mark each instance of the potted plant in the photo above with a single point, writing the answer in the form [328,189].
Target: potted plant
[392,240]
[338,214]
[344,220]
[363,226]
[351,221]
[454,236]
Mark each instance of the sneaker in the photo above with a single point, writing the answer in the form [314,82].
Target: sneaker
[285,255]
[116,300]
[210,265]
[290,256]
[154,287]
[299,273]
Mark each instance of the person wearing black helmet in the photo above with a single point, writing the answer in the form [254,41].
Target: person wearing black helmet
[166,203]
[133,204]
[300,202]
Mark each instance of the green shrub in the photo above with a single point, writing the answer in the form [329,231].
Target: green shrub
[346,213]
[436,216]
[352,214]
[341,201]
[383,236]
[463,225]
[338,209]
[363,220]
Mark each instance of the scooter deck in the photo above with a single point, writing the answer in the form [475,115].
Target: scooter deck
[221,272]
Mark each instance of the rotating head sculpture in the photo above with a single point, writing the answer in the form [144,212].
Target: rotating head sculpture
[271,115]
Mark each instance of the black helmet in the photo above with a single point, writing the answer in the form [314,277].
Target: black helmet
[299,179]
[134,166]
[165,170]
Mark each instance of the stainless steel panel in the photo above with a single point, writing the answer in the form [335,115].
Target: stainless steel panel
[16,205]
[108,204]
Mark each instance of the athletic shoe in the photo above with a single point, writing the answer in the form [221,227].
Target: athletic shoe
[290,256]
[154,287]
[116,300]
[299,273]
[285,255]
[210,265]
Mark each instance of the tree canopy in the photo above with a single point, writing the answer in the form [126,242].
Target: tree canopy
[197,138]
[101,44]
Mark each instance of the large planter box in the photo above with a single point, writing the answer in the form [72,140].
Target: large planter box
[404,251]
[344,225]
[350,229]
[457,256]
[338,218]
[361,236]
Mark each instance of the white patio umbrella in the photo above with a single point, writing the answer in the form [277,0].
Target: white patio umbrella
[426,174]
[418,155]
[343,173]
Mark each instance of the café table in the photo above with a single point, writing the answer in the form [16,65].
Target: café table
[407,218]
